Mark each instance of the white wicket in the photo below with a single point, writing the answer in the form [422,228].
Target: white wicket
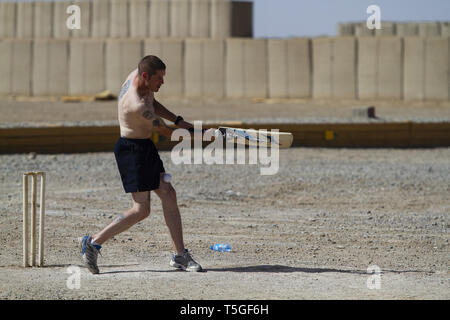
[26,257]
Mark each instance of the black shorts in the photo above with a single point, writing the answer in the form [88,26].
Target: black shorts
[139,164]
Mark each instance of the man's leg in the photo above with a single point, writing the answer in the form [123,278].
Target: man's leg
[182,259]
[172,216]
[139,211]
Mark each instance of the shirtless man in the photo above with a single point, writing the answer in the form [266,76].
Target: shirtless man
[140,166]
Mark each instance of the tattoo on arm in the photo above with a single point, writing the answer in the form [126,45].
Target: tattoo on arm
[161,124]
[156,123]
[147,114]
[124,89]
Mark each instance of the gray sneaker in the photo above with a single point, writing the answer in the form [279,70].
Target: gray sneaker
[89,252]
[185,262]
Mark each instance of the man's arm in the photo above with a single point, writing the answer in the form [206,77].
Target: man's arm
[163,112]
[162,127]
[158,123]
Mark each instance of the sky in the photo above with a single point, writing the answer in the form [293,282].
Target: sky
[285,18]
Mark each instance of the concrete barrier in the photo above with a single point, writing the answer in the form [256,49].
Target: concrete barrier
[159,18]
[122,56]
[15,67]
[387,29]
[43,19]
[50,67]
[402,29]
[179,18]
[200,18]
[414,68]
[300,77]
[426,68]
[139,10]
[109,18]
[7,19]
[234,68]
[407,29]
[246,68]
[214,68]
[367,67]
[221,18]
[278,68]
[204,73]
[5,66]
[428,29]
[334,67]
[346,29]
[255,68]
[170,51]
[118,22]
[24,20]
[60,30]
[344,68]
[437,68]
[445,29]
[390,68]
[322,49]
[362,30]
[86,66]
[21,67]
[380,70]
[289,71]
[193,67]
[100,19]
[85,30]
[387,67]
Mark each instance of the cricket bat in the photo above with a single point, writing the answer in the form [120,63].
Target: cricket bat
[254,137]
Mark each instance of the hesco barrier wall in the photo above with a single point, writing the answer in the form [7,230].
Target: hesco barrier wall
[403,68]
[390,28]
[127,18]
[71,139]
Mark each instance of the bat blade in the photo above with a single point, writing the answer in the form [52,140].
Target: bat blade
[254,137]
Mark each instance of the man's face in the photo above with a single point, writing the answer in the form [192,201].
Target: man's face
[154,82]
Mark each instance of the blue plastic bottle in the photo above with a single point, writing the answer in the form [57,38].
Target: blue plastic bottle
[221,247]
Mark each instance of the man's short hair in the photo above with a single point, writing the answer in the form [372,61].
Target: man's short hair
[150,64]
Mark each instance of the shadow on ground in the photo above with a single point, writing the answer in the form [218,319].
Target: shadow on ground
[250,269]
[282,269]
[259,268]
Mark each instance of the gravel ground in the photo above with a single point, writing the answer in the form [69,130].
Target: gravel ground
[309,232]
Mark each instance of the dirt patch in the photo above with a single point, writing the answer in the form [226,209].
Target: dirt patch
[38,109]
[312,231]
[309,232]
